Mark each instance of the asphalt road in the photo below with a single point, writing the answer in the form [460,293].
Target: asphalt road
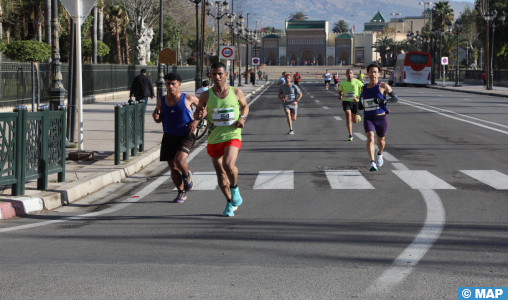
[315,223]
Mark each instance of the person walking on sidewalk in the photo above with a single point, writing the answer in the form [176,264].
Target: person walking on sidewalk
[142,88]
[253,78]
[178,140]
[290,94]
[484,79]
[349,92]
[227,110]
[260,75]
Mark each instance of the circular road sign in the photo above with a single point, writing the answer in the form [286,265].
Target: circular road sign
[227,52]
[444,60]
[255,61]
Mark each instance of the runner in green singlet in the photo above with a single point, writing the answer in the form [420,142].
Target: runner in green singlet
[226,110]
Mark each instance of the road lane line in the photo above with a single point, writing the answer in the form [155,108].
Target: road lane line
[326,107]
[492,178]
[204,181]
[311,97]
[406,262]
[317,101]
[503,104]
[338,118]
[275,180]
[388,157]
[420,106]
[347,180]
[360,136]
[422,180]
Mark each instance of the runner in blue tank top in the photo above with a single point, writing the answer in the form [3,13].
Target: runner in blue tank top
[175,112]
[374,102]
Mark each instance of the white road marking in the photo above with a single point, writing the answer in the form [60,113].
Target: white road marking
[439,95]
[250,103]
[503,104]
[311,97]
[360,136]
[204,181]
[317,101]
[347,180]
[325,107]
[388,157]
[422,180]
[440,112]
[492,178]
[275,180]
[467,99]
[405,263]
[338,118]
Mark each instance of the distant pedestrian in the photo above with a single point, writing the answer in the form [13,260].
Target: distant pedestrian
[253,78]
[484,79]
[260,75]
[142,88]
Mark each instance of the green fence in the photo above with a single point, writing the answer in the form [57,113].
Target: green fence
[129,129]
[16,80]
[500,75]
[32,145]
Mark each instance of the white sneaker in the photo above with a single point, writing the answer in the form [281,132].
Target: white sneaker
[379,160]
[291,132]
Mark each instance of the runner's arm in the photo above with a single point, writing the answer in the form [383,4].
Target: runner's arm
[281,95]
[200,112]
[192,100]
[244,108]
[156,116]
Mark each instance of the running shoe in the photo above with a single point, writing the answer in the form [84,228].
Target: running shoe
[291,132]
[373,167]
[379,160]
[229,211]
[359,118]
[182,196]
[350,139]
[187,182]
[236,199]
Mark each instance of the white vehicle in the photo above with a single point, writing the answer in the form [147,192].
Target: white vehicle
[413,68]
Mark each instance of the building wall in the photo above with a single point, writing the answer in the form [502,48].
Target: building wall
[306,45]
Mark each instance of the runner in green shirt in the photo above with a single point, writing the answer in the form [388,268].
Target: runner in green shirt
[360,76]
[349,92]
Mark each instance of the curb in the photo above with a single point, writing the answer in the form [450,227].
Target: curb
[71,192]
[468,92]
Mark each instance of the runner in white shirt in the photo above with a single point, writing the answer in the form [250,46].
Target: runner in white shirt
[327,79]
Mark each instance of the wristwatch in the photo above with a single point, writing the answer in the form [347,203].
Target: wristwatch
[244,117]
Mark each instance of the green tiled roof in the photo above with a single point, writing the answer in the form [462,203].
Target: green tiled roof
[343,36]
[306,25]
[378,16]
[271,36]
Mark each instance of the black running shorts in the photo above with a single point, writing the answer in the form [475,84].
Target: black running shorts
[350,105]
[172,144]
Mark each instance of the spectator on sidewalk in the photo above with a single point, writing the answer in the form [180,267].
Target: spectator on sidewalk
[260,75]
[142,88]
[253,78]
[484,79]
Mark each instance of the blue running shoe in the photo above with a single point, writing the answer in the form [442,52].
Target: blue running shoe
[373,167]
[182,196]
[236,199]
[187,182]
[228,212]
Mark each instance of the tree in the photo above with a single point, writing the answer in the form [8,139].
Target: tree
[269,29]
[469,32]
[143,14]
[444,14]
[114,17]
[86,48]
[500,57]
[298,16]
[28,51]
[340,26]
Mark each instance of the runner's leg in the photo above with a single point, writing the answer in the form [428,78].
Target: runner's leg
[380,144]
[180,162]
[370,145]
[348,122]
[229,164]
[288,116]
[222,178]
[176,176]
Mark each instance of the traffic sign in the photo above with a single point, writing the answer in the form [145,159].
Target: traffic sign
[444,60]
[227,52]
[256,61]
[85,6]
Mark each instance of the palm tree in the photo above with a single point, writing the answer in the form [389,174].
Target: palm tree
[127,48]
[114,19]
[444,14]
[449,44]
[340,26]
[298,16]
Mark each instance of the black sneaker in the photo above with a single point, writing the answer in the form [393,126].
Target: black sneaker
[187,182]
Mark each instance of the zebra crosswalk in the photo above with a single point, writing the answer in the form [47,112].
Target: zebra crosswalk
[354,180]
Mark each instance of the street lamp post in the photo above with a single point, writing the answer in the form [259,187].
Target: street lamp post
[197,79]
[56,89]
[222,11]
[433,55]
[490,18]
[395,28]
[160,71]
[457,28]
[247,35]
[425,12]
[241,29]
[231,24]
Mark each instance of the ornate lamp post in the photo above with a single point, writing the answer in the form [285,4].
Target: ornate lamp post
[248,34]
[457,28]
[433,32]
[160,71]
[395,14]
[490,18]
[56,89]
[222,11]
[231,24]
[197,79]
[241,29]
[425,12]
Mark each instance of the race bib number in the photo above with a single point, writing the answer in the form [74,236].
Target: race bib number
[350,95]
[370,105]
[223,116]
[289,97]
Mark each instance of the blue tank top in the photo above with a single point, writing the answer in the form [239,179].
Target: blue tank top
[370,108]
[175,118]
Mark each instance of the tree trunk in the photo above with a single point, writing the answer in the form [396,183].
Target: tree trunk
[127,48]
[94,35]
[100,28]
[142,38]
[39,19]
[118,50]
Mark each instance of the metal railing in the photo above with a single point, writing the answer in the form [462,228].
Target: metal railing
[33,147]
[16,80]
[129,129]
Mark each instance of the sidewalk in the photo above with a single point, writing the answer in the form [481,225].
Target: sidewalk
[499,91]
[83,178]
